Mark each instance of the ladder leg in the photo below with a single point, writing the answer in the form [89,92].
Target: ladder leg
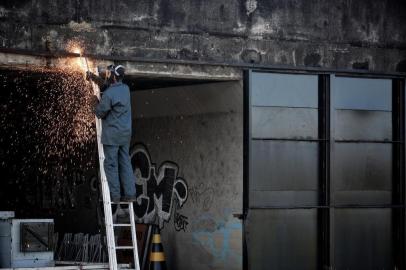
[107,212]
[134,236]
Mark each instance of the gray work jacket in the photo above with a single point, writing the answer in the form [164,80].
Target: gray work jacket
[114,109]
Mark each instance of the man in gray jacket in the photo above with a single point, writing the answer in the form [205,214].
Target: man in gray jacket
[114,108]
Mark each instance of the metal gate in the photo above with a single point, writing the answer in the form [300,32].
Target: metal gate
[324,172]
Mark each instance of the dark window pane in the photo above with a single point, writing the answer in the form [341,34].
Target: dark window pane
[362,94]
[279,168]
[271,89]
[363,239]
[363,125]
[277,122]
[362,173]
[282,239]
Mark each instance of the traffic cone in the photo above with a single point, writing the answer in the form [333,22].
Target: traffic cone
[157,256]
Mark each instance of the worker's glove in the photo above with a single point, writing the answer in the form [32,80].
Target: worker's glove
[89,75]
[104,87]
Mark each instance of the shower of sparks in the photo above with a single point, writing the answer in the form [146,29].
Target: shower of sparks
[49,110]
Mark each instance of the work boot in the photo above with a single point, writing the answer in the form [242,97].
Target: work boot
[128,199]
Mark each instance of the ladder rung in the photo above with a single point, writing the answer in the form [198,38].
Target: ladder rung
[121,225]
[125,247]
[121,202]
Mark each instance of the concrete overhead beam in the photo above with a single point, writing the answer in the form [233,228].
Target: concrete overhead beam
[26,60]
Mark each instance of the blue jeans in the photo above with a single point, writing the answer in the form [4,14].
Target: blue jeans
[117,166]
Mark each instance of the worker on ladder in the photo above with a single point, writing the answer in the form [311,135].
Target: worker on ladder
[114,109]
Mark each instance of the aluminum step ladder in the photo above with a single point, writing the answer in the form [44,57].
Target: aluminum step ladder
[108,215]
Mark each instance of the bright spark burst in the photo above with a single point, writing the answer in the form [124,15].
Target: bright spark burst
[77,63]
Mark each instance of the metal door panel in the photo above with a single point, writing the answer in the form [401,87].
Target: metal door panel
[283,198]
[284,90]
[363,239]
[287,123]
[282,165]
[362,94]
[322,173]
[362,166]
[282,239]
[363,125]
[283,171]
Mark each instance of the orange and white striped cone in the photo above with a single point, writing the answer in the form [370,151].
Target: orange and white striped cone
[157,256]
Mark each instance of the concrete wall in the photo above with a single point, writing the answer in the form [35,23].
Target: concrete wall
[339,34]
[208,148]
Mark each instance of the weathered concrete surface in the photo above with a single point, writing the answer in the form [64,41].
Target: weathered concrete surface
[208,148]
[339,34]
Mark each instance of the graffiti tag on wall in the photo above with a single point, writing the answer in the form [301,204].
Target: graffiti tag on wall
[180,222]
[158,189]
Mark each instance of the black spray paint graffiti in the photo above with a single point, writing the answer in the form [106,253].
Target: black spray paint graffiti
[180,222]
[157,190]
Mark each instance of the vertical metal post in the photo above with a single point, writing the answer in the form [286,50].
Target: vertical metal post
[332,87]
[246,160]
[324,172]
[398,175]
